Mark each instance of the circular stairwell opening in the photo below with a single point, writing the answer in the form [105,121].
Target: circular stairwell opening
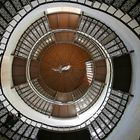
[59,65]
[62,67]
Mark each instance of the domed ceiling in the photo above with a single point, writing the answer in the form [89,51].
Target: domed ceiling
[57,64]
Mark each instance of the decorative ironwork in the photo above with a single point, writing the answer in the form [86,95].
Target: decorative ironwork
[5,14]
[10,8]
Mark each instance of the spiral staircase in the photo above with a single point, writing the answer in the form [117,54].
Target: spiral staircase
[67,69]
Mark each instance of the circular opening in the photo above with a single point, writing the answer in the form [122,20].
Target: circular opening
[63,67]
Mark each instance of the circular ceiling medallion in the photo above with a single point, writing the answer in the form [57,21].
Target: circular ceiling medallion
[63,67]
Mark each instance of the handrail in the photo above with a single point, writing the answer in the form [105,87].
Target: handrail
[30,58]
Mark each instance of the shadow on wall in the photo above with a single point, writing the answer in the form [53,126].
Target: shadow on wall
[3,138]
[78,135]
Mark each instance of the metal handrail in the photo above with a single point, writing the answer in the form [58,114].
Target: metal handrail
[29,61]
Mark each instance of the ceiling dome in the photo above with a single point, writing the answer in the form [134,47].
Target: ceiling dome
[57,64]
[62,67]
